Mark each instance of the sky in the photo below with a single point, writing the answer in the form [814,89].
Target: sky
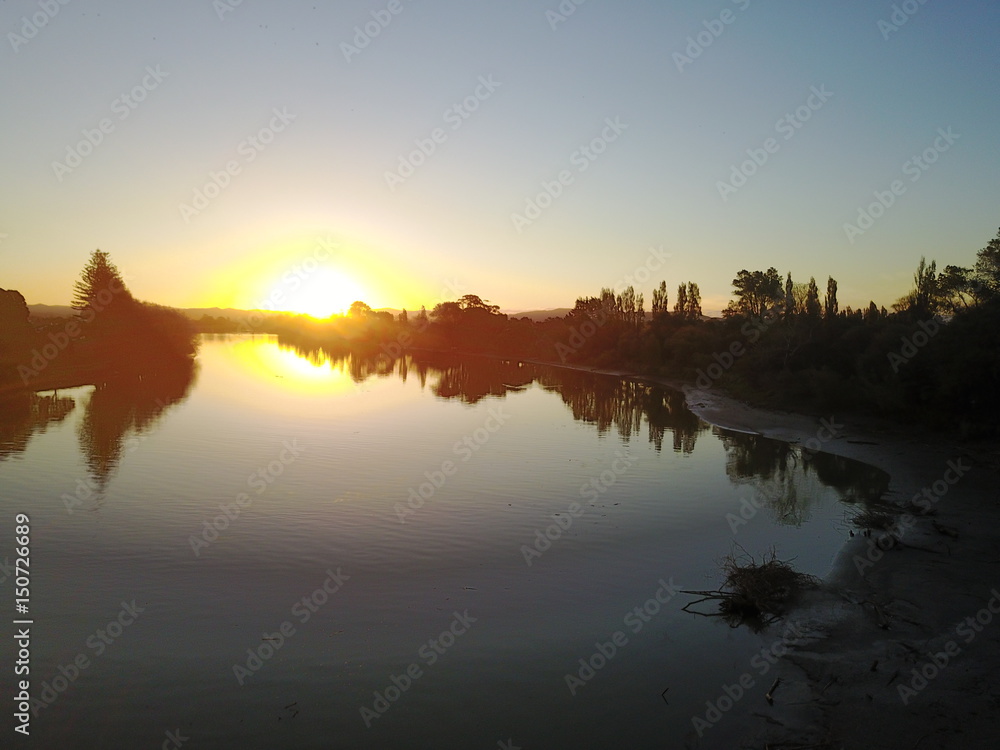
[299,155]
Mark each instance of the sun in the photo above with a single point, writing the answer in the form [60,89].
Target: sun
[323,293]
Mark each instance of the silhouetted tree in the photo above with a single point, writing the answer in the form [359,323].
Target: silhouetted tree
[924,299]
[756,291]
[872,314]
[448,313]
[958,288]
[680,307]
[812,299]
[358,309]
[473,302]
[100,287]
[694,301]
[660,300]
[830,305]
[987,269]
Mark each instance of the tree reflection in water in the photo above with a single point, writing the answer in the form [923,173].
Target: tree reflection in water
[23,414]
[784,476]
[611,404]
[124,407]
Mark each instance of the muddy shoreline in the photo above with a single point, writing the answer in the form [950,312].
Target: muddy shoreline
[900,648]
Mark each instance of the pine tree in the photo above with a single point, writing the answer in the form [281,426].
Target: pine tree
[100,287]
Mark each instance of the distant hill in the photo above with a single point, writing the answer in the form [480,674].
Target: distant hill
[195,313]
[541,315]
[224,312]
[50,311]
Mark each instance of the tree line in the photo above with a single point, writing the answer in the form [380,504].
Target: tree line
[112,336]
[933,356]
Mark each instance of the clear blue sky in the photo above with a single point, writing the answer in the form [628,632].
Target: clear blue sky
[209,82]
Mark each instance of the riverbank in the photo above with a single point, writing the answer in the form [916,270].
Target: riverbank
[890,659]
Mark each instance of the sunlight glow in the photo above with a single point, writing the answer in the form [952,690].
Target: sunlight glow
[264,359]
[323,293]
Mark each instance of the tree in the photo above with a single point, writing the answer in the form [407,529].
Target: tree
[789,295]
[693,309]
[958,288]
[359,309]
[403,318]
[626,303]
[924,299]
[473,302]
[872,314]
[756,292]
[448,313]
[830,306]
[660,300]
[680,308]
[100,286]
[987,269]
[812,299]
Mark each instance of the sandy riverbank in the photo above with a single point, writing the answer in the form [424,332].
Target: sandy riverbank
[850,683]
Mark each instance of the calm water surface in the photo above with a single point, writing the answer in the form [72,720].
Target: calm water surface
[218,499]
